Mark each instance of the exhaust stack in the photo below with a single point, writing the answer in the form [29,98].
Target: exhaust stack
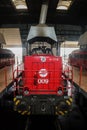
[43,14]
[41,32]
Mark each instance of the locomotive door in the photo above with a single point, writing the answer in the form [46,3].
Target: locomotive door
[41,76]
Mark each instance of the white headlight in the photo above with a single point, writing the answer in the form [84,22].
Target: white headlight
[26,92]
[59,92]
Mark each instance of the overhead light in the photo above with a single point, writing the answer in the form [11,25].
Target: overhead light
[20,4]
[64,4]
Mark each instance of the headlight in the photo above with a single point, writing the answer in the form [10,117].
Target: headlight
[60,91]
[26,91]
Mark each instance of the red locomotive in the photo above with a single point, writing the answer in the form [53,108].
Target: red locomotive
[42,88]
[78,58]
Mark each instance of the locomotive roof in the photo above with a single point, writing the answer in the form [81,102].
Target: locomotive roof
[42,33]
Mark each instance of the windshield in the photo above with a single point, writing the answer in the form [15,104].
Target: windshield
[41,50]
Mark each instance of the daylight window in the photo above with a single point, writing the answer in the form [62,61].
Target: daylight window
[64,4]
[20,4]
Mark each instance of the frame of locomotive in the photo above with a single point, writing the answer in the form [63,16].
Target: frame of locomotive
[34,100]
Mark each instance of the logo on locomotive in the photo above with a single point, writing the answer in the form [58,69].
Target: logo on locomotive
[43,73]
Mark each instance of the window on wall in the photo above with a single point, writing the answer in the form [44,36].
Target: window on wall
[64,4]
[18,53]
[20,4]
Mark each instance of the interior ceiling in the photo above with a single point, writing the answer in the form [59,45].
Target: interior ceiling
[76,15]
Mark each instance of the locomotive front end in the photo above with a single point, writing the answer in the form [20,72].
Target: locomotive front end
[42,88]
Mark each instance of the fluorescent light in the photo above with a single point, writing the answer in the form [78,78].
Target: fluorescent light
[63,4]
[20,4]
[61,7]
[21,7]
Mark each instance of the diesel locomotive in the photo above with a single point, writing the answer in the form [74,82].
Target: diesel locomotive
[42,87]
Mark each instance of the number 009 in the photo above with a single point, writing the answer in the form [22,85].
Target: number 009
[43,81]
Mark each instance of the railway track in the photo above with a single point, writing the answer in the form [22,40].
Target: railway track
[43,123]
[14,121]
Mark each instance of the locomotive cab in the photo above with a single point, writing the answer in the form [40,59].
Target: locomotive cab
[41,50]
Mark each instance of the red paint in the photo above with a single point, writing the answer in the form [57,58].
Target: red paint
[42,74]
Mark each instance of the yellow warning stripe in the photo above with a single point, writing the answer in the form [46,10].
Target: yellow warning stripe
[60,112]
[70,99]
[24,112]
[17,102]
[68,102]
[15,99]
